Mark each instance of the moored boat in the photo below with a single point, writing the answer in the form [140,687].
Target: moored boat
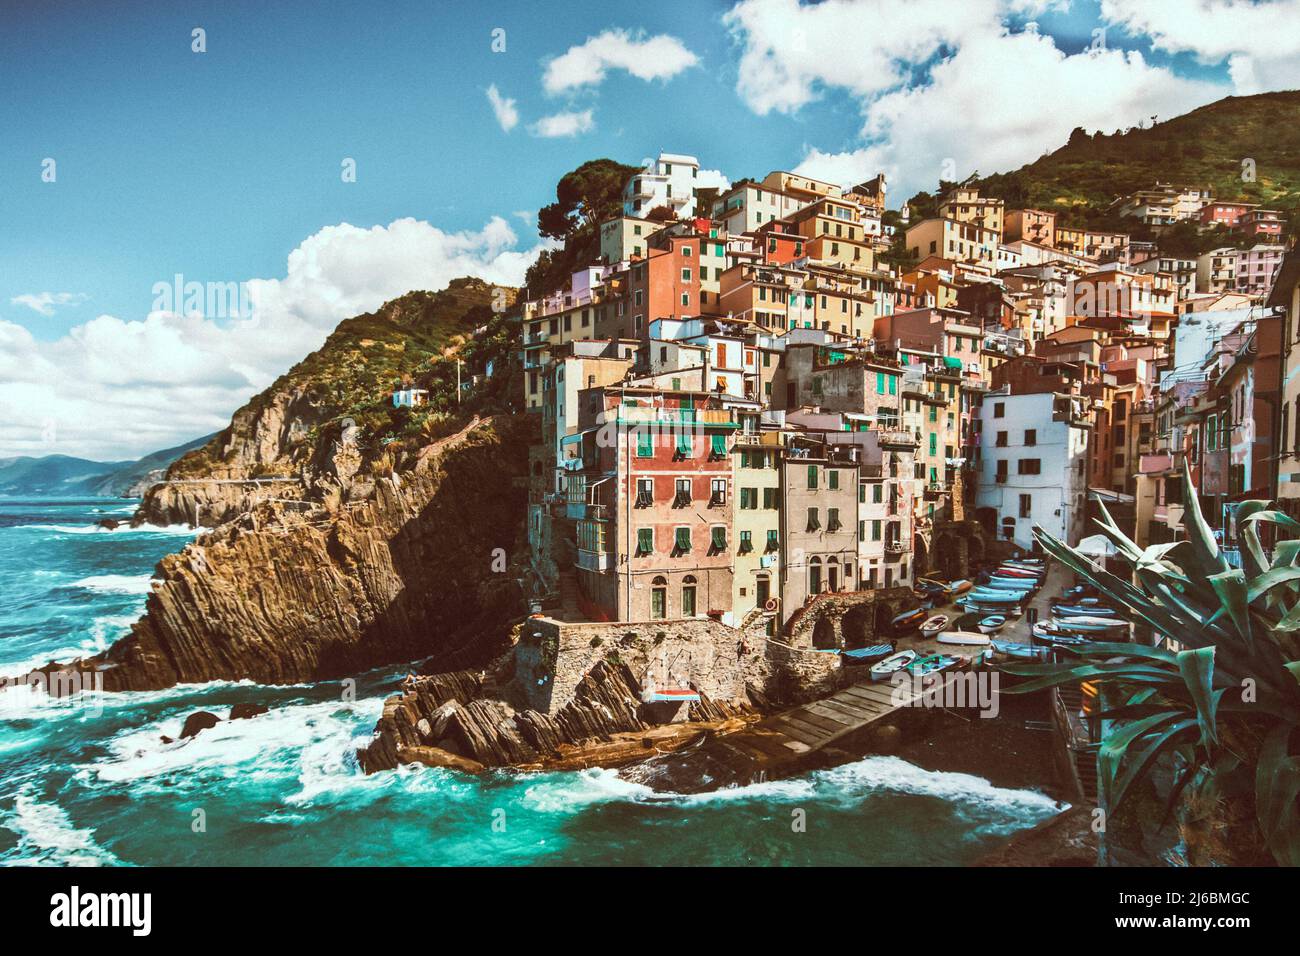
[1083,610]
[933,625]
[1090,624]
[892,664]
[867,655]
[966,638]
[933,664]
[908,619]
[991,624]
[1023,651]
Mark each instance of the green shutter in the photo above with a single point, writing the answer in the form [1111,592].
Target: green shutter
[645,540]
[645,445]
[719,538]
[832,478]
[812,477]
[684,445]
[683,539]
[934,443]
[719,444]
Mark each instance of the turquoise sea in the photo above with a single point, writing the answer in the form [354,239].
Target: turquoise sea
[93,783]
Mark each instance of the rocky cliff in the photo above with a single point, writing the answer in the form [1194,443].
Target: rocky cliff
[328,589]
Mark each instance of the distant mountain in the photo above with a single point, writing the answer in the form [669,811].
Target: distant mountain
[64,476]
[1245,147]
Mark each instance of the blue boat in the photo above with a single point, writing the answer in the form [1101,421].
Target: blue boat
[1007,584]
[994,596]
[1083,610]
[867,655]
[1026,651]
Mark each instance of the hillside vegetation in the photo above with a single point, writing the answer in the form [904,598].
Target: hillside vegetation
[1207,146]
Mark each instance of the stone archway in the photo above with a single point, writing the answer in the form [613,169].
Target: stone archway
[824,637]
[859,625]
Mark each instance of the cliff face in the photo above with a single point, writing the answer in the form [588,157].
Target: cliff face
[326,590]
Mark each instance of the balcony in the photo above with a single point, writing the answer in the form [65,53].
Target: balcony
[595,560]
[895,548]
[898,438]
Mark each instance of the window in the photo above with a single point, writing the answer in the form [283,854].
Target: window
[718,540]
[773,541]
[1026,505]
[934,443]
[645,444]
[1031,436]
[1002,470]
[682,497]
[877,494]
[686,275]
[862,531]
[645,492]
[645,542]
[833,519]
[832,479]
[683,446]
[747,496]
[1029,466]
[769,498]
[1001,440]
[688,596]
[813,523]
[999,409]
[681,542]
[717,447]
[812,477]
[718,492]
[875,529]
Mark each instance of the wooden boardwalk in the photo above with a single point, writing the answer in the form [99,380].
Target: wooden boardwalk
[783,744]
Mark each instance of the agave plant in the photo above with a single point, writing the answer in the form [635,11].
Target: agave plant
[1226,700]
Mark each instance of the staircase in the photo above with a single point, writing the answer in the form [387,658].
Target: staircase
[1085,760]
[569,595]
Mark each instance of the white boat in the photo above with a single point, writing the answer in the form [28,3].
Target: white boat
[933,625]
[892,664]
[967,638]
[1090,623]
[991,624]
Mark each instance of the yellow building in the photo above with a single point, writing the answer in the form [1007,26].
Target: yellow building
[756,520]
[955,240]
[965,204]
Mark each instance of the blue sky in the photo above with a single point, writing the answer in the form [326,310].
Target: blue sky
[219,165]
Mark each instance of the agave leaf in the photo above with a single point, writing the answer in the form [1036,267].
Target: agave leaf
[1140,764]
[1197,668]
[1274,517]
[1277,783]
[1112,648]
[1126,545]
[1230,586]
[1284,553]
[1265,582]
[1111,753]
[1252,552]
[1204,548]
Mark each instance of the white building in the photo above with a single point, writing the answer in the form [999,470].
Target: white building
[668,181]
[1034,465]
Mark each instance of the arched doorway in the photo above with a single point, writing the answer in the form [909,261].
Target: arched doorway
[824,633]
[659,598]
[858,625]
[815,576]
[832,574]
[688,596]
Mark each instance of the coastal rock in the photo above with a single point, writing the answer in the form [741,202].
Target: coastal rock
[244,711]
[109,523]
[289,596]
[198,721]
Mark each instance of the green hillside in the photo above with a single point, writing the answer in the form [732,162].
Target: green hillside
[414,340]
[1207,146]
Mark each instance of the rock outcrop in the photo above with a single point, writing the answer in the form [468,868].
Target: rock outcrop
[466,714]
[284,595]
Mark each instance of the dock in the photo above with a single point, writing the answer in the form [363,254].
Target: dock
[787,743]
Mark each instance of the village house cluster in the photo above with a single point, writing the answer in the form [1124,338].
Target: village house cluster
[745,406]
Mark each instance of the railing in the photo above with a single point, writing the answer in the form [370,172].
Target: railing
[898,437]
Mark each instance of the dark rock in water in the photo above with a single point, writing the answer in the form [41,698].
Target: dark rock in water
[244,711]
[109,523]
[199,720]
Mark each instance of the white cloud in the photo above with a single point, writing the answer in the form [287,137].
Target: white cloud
[943,89]
[46,302]
[114,388]
[791,51]
[648,58]
[712,178]
[1257,39]
[506,112]
[563,124]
